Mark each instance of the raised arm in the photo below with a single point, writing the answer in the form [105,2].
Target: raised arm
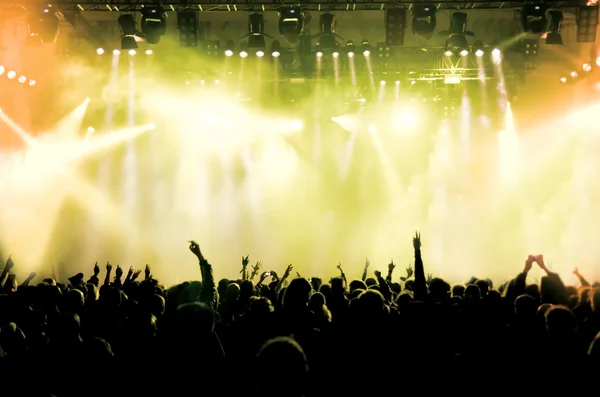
[94,279]
[582,280]
[7,268]
[208,293]
[420,284]
[366,270]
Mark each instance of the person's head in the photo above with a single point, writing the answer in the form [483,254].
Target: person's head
[297,294]
[283,368]
[194,324]
[232,293]
[561,323]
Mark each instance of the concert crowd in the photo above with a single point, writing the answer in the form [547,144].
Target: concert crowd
[116,332]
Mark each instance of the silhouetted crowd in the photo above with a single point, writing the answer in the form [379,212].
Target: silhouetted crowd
[270,335]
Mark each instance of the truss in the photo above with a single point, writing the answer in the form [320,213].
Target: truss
[273,5]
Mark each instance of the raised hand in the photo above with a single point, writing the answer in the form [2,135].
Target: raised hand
[429,278]
[147,272]
[339,266]
[135,275]
[9,264]
[274,275]
[367,263]
[576,271]
[529,262]
[119,272]
[108,267]
[377,273]
[245,260]
[31,276]
[417,241]
[195,248]
[256,267]
[391,266]
[96,269]
[288,271]
[409,271]
[298,275]
[130,272]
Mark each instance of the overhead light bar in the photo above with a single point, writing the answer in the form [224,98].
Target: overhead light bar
[128,32]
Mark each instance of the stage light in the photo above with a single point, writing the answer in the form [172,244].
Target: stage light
[598,61]
[448,53]
[335,54]
[563,80]
[479,53]
[496,52]
[383,50]
[187,24]
[291,22]
[260,54]
[2,70]
[275,49]
[11,74]
[229,47]
[100,51]
[424,21]
[32,83]
[366,48]
[457,34]
[22,79]
[533,18]
[397,83]
[128,32]
[586,67]
[116,52]
[243,54]
[382,83]
[553,36]
[464,53]
[256,27]
[319,54]
[148,52]
[350,48]
[132,52]
[573,74]
[43,25]
[154,23]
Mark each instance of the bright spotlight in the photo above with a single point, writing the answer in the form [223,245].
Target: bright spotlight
[366,48]
[349,48]
[563,80]
[586,67]
[405,117]
[2,70]
[495,52]
[100,51]
[148,52]
[91,130]
[11,74]
[336,54]
[479,53]
[448,53]
[260,54]
[275,54]
[116,52]
[372,129]
[228,53]
[598,61]
[397,83]
[319,54]
[32,83]
[382,83]
[464,53]
[296,125]
[243,54]
[22,79]
[573,74]
[132,52]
